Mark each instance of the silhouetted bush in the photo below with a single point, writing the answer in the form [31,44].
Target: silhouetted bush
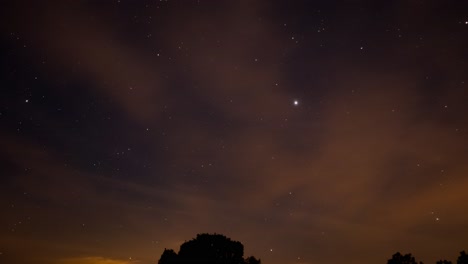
[208,249]
[168,257]
[463,258]
[398,258]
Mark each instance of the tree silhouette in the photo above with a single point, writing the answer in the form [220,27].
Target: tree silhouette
[252,260]
[463,258]
[398,258]
[168,257]
[208,249]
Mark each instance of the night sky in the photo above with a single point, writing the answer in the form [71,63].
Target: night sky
[310,131]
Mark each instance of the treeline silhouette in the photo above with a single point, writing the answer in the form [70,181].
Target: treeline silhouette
[218,249]
[398,258]
[208,249]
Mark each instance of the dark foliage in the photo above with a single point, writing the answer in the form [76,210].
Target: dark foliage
[463,258]
[398,258]
[252,260]
[208,249]
[168,256]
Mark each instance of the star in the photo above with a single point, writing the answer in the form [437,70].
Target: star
[296,102]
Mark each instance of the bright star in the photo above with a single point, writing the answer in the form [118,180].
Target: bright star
[296,102]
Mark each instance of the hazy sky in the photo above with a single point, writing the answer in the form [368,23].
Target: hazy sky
[310,131]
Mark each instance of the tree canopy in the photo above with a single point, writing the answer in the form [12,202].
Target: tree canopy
[463,258]
[398,258]
[208,248]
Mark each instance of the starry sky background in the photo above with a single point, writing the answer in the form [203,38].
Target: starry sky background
[127,127]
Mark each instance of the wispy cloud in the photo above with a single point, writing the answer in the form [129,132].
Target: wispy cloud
[94,260]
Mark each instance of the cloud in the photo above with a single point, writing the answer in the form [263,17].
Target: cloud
[110,66]
[93,260]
